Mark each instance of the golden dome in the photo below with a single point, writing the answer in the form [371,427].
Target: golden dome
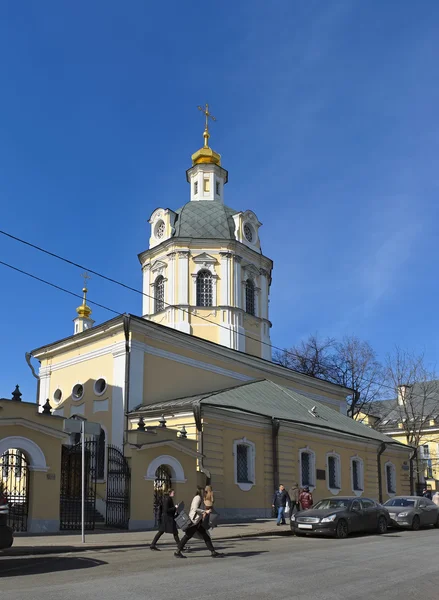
[84,311]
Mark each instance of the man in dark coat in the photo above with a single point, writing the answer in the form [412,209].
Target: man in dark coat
[280,500]
[167,520]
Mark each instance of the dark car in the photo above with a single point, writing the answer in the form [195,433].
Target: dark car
[6,534]
[412,512]
[341,516]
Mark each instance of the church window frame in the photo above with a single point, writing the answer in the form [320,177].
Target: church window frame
[357,475]
[159,294]
[250,297]
[390,471]
[333,472]
[160,229]
[57,396]
[78,392]
[204,289]
[244,459]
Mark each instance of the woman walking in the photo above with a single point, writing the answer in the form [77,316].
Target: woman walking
[209,500]
[196,515]
[167,522]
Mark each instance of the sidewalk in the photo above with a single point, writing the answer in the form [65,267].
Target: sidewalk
[103,540]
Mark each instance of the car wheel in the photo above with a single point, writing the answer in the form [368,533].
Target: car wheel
[382,525]
[342,530]
[416,523]
[437,523]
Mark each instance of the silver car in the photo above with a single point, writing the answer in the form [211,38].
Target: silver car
[412,512]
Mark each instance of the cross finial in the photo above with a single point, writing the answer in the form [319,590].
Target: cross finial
[85,276]
[208,115]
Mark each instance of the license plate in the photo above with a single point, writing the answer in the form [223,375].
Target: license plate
[302,526]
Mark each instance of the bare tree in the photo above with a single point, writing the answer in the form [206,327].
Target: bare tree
[415,411]
[311,357]
[350,362]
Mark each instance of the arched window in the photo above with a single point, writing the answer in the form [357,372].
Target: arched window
[101,456]
[159,294]
[250,297]
[204,288]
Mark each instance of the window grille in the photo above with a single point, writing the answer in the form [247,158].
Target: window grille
[101,456]
[390,479]
[159,293]
[204,289]
[250,297]
[356,476]
[306,469]
[242,463]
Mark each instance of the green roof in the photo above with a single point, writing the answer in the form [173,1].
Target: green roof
[206,220]
[268,399]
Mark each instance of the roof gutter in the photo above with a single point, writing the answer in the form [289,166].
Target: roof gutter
[126,330]
[28,356]
[275,426]
[413,457]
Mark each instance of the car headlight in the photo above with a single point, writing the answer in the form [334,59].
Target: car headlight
[329,519]
[403,514]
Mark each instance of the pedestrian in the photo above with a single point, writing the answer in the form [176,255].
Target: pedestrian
[196,515]
[426,493]
[280,500]
[293,493]
[167,524]
[209,501]
[436,498]
[305,499]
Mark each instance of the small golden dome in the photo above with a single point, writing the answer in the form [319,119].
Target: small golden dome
[84,311]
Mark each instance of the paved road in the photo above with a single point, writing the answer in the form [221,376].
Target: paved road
[397,565]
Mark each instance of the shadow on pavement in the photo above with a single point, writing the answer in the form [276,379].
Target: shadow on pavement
[36,565]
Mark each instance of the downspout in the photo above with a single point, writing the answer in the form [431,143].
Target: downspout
[199,425]
[126,330]
[412,471]
[381,449]
[28,356]
[275,426]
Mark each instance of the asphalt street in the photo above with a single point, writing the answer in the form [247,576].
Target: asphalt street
[398,564]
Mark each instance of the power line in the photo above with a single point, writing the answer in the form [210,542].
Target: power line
[137,291]
[57,287]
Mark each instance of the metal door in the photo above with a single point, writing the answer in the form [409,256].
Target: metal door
[14,483]
[118,489]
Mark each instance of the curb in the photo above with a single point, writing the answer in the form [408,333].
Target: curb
[41,550]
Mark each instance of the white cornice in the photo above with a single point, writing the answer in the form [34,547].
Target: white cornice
[170,443]
[34,426]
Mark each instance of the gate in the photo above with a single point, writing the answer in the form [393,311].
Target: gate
[14,483]
[162,483]
[118,489]
[71,489]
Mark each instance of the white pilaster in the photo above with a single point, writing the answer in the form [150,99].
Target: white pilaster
[44,387]
[118,396]
[266,351]
[237,283]
[225,296]
[146,303]
[263,297]
[183,277]
[170,293]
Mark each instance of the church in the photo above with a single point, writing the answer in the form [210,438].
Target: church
[186,393]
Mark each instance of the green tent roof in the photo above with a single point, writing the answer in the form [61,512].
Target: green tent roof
[268,399]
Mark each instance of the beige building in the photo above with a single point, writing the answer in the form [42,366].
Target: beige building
[187,393]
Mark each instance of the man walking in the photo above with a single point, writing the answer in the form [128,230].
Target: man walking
[305,499]
[280,500]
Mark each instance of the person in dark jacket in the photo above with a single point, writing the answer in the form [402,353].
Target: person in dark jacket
[280,500]
[167,523]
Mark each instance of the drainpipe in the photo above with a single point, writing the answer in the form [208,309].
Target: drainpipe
[126,330]
[28,356]
[381,449]
[412,471]
[199,425]
[275,425]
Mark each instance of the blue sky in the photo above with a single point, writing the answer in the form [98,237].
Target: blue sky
[327,123]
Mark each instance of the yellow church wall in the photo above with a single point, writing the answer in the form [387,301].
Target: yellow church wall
[142,490]
[82,347]
[189,380]
[172,423]
[219,436]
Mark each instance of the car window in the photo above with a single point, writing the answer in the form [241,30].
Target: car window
[428,502]
[423,504]
[355,505]
[403,502]
[367,503]
[331,503]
